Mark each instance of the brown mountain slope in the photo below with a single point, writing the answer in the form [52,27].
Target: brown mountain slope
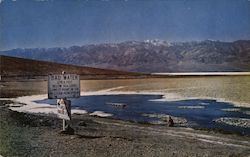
[18,67]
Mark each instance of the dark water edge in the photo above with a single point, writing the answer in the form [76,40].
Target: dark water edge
[200,114]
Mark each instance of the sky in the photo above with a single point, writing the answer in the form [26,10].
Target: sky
[64,23]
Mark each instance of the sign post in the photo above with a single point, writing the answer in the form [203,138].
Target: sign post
[61,87]
[64,110]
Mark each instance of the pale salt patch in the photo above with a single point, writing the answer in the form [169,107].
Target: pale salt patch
[32,107]
[204,103]
[100,114]
[157,122]
[239,122]
[191,107]
[11,99]
[247,112]
[167,97]
[155,115]
[176,97]
[235,103]
[102,92]
[120,93]
[231,109]
[14,105]
[45,109]
[78,111]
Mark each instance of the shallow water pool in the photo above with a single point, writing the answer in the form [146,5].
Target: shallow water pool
[199,113]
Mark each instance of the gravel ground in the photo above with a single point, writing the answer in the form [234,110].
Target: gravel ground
[39,135]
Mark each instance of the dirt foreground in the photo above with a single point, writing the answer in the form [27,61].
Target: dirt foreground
[39,135]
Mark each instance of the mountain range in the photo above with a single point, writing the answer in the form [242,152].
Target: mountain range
[149,56]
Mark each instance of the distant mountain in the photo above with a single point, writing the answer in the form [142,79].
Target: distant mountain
[150,56]
[18,68]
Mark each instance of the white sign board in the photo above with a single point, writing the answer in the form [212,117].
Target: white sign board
[63,109]
[63,86]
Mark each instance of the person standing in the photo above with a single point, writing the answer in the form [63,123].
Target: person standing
[170,122]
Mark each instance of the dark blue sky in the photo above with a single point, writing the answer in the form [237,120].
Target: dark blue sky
[63,23]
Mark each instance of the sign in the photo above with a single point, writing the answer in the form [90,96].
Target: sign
[64,109]
[63,86]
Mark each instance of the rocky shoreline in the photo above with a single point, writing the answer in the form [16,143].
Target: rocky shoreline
[24,134]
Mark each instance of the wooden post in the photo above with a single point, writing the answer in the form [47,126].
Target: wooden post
[64,124]
[68,109]
[64,121]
